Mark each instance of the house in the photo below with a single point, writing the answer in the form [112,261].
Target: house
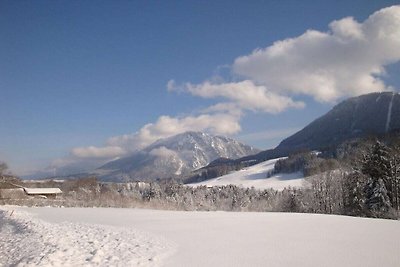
[43,192]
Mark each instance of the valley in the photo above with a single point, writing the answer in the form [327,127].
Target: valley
[200,133]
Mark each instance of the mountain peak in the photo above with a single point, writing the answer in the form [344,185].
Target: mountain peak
[174,156]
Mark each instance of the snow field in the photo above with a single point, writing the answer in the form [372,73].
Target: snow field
[200,238]
[257,176]
[29,241]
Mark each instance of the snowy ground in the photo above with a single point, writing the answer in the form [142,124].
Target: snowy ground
[133,237]
[257,176]
[28,241]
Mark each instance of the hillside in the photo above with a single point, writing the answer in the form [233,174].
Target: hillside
[357,117]
[370,114]
[259,176]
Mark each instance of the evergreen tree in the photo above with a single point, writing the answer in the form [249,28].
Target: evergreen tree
[377,199]
[354,195]
[395,179]
[377,167]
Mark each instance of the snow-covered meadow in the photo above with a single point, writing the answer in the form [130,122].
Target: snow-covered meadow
[135,237]
[26,240]
[258,176]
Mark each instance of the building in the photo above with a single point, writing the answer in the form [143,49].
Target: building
[43,192]
[11,188]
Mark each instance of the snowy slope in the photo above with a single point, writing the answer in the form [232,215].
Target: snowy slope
[257,176]
[131,237]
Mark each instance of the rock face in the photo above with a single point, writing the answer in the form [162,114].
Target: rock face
[375,113]
[173,157]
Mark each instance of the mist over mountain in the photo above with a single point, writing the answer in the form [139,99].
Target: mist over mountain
[173,157]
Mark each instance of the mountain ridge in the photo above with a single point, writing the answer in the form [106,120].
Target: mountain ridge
[370,114]
[173,157]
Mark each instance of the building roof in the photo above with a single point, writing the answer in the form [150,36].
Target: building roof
[42,191]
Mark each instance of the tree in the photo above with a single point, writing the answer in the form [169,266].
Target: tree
[3,168]
[377,199]
[395,179]
[354,194]
[377,166]
[289,201]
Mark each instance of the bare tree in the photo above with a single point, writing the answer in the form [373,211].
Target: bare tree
[3,167]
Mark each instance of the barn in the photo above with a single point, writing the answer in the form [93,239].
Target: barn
[11,188]
[43,192]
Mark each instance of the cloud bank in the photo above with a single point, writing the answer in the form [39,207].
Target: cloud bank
[244,95]
[98,152]
[348,60]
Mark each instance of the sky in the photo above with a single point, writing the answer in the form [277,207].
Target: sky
[85,82]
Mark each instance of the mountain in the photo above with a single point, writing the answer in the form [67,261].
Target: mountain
[171,157]
[371,114]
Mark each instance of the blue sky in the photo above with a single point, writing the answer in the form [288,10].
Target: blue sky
[74,74]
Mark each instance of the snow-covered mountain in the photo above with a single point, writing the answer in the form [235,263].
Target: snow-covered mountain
[356,117]
[370,114]
[173,157]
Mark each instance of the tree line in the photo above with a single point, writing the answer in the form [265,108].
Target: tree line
[359,178]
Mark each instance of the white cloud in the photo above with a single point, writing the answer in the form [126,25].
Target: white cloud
[173,87]
[347,28]
[98,152]
[243,95]
[165,126]
[349,60]
[73,165]
[163,152]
